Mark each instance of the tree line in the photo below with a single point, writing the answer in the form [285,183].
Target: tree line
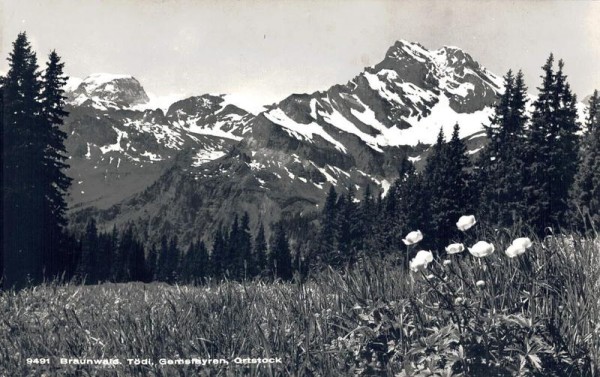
[540,170]
[235,254]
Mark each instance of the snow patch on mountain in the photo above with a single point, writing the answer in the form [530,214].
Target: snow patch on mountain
[328,176]
[207,155]
[116,147]
[152,157]
[164,134]
[299,130]
[425,130]
[381,87]
[415,50]
[211,131]
[338,120]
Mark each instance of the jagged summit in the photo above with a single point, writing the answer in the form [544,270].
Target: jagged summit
[401,101]
[468,85]
[403,49]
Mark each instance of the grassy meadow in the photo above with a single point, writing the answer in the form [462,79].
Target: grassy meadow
[537,314]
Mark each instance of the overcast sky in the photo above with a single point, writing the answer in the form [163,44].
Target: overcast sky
[266,50]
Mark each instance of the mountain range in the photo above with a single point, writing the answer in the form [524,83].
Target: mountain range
[186,170]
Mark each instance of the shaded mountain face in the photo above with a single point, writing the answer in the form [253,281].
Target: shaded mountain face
[205,160]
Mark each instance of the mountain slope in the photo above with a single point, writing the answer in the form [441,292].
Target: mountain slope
[281,162]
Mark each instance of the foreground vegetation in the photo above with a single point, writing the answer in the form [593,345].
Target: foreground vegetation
[537,314]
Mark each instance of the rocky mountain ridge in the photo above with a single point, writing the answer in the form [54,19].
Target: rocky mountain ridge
[185,171]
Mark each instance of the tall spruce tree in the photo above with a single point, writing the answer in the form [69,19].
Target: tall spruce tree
[218,257]
[136,261]
[244,245]
[233,260]
[281,259]
[55,182]
[434,177]
[412,204]
[552,150]
[343,229]
[89,260]
[151,261]
[114,253]
[126,248]
[585,194]
[355,232]
[23,156]
[460,178]
[501,164]
[260,252]
[363,220]
[447,182]
[327,246]
[201,262]
[386,237]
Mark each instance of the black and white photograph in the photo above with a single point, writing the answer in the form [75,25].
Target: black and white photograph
[403,188]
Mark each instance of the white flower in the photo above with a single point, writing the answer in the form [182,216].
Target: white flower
[518,247]
[447,262]
[459,300]
[466,222]
[480,283]
[481,249]
[421,260]
[513,251]
[523,242]
[455,248]
[413,237]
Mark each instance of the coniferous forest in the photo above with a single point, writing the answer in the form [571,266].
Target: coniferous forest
[538,175]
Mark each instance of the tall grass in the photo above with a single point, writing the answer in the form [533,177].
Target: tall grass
[537,314]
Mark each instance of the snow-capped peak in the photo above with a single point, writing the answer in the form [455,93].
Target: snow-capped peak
[107,90]
[413,61]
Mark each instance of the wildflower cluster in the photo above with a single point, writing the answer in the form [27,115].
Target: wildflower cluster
[480,249]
